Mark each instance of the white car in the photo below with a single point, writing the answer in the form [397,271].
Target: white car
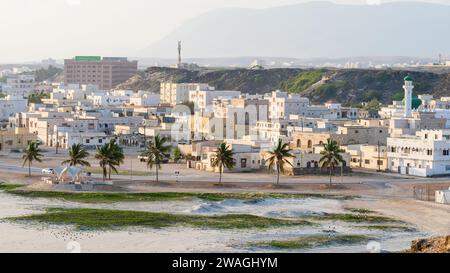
[143,158]
[48,171]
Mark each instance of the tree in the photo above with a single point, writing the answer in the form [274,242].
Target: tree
[117,156]
[155,153]
[278,158]
[373,105]
[31,153]
[177,154]
[77,156]
[223,157]
[110,155]
[103,156]
[331,156]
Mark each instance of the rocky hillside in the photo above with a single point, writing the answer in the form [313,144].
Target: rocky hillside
[431,245]
[346,86]
[245,80]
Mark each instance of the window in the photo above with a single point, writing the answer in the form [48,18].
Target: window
[380,162]
[243,163]
[367,161]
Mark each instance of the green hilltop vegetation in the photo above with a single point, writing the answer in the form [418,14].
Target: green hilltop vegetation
[302,81]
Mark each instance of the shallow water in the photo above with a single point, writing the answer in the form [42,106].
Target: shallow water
[200,240]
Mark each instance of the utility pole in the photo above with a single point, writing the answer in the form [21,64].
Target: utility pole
[145,134]
[379,155]
[57,139]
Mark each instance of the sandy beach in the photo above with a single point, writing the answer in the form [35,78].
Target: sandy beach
[387,195]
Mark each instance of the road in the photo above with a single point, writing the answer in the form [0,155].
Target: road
[168,174]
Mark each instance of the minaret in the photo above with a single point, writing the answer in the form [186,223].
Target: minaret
[408,87]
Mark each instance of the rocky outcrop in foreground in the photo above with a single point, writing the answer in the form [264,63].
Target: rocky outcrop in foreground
[431,245]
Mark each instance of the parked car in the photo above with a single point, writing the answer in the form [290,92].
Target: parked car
[145,158]
[48,171]
[142,158]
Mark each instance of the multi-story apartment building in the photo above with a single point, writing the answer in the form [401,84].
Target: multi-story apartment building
[425,154]
[19,85]
[366,156]
[272,130]
[417,121]
[176,93]
[281,105]
[107,72]
[204,98]
[9,106]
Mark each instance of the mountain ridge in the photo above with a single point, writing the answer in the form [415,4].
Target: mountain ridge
[310,30]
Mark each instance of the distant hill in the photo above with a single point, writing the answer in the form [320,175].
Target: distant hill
[346,86]
[314,29]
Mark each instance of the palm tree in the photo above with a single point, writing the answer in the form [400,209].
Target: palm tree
[77,154]
[223,157]
[116,156]
[103,155]
[279,157]
[110,155]
[331,156]
[155,153]
[31,153]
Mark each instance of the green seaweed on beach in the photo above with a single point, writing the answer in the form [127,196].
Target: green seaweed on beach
[352,218]
[306,242]
[111,197]
[84,218]
[9,187]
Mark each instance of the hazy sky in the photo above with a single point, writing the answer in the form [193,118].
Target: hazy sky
[34,29]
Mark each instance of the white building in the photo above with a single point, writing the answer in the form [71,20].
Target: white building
[10,105]
[425,154]
[204,98]
[143,98]
[281,105]
[111,98]
[89,140]
[19,85]
[176,93]
[245,157]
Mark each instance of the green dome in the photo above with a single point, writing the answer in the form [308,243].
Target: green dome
[415,102]
[408,78]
